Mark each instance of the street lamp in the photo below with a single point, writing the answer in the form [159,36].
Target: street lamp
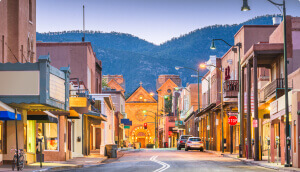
[204,66]
[287,125]
[239,45]
[245,6]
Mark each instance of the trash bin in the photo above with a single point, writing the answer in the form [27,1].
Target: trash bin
[111,150]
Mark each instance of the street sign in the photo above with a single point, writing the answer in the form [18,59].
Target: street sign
[232,120]
[254,123]
[126,122]
[233,114]
[126,127]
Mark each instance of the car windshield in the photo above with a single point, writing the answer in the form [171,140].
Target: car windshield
[195,139]
[185,137]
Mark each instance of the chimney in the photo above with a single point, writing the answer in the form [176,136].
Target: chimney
[276,20]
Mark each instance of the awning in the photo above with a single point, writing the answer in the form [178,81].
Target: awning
[42,117]
[7,113]
[73,114]
[96,115]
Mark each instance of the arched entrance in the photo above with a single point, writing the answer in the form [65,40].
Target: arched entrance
[139,134]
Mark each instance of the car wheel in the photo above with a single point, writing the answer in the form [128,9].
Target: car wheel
[178,148]
[186,149]
[201,149]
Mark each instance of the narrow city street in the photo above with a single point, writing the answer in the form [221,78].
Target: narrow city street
[172,160]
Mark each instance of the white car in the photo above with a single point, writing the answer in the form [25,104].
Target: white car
[194,143]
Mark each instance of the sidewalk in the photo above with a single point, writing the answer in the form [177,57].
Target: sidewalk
[80,162]
[264,163]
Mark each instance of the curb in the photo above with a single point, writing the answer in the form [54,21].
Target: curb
[62,168]
[255,163]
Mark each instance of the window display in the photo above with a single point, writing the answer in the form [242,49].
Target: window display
[48,134]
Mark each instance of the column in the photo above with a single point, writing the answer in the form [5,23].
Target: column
[272,142]
[103,131]
[256,129]
[242,138]
[249,110]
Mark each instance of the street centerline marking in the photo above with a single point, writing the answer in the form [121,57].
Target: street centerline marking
[164,165]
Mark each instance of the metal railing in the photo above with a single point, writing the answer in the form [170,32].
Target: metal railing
[79,93]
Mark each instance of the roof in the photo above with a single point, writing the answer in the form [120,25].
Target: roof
[168,81]
[142,90]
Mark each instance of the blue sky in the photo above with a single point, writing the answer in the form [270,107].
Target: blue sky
[153,20]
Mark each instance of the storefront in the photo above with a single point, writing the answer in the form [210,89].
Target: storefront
[40,88]
[277,123]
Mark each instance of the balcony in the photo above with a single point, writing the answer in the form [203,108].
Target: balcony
[231,88]
[277,86]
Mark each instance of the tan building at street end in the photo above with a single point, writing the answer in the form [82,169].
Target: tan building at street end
[140,108]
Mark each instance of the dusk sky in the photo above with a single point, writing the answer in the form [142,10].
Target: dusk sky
[153,20]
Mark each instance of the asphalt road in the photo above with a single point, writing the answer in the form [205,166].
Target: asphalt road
[171,160]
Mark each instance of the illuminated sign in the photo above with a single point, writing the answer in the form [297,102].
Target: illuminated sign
[78,102]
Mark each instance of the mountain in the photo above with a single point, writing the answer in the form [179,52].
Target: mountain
[139,60]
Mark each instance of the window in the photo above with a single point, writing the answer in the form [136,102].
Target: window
[48,133]
[30,10]
[31,143]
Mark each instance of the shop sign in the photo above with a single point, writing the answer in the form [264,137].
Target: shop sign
[78,102]
[208,127]
[232,120]
[274,107]
[254,123]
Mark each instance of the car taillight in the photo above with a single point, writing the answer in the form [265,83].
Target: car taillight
[189,142]
[201,142]
[181,141]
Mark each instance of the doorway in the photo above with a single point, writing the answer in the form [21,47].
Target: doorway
[142,141]
[98,138]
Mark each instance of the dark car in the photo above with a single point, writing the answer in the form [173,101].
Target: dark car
[182,140]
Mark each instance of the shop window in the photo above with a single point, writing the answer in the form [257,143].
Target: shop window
[48,133]
[31,142]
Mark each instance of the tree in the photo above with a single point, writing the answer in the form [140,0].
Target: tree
[104,83]
[168,104]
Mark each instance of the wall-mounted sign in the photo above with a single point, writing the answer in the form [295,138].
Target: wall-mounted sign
[57,88]
[19,83]
[229,61]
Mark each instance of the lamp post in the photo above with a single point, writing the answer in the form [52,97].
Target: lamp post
[245,7]
[239,45]
[203,66]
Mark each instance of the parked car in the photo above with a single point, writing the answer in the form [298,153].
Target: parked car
[182,140]
[194,143]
